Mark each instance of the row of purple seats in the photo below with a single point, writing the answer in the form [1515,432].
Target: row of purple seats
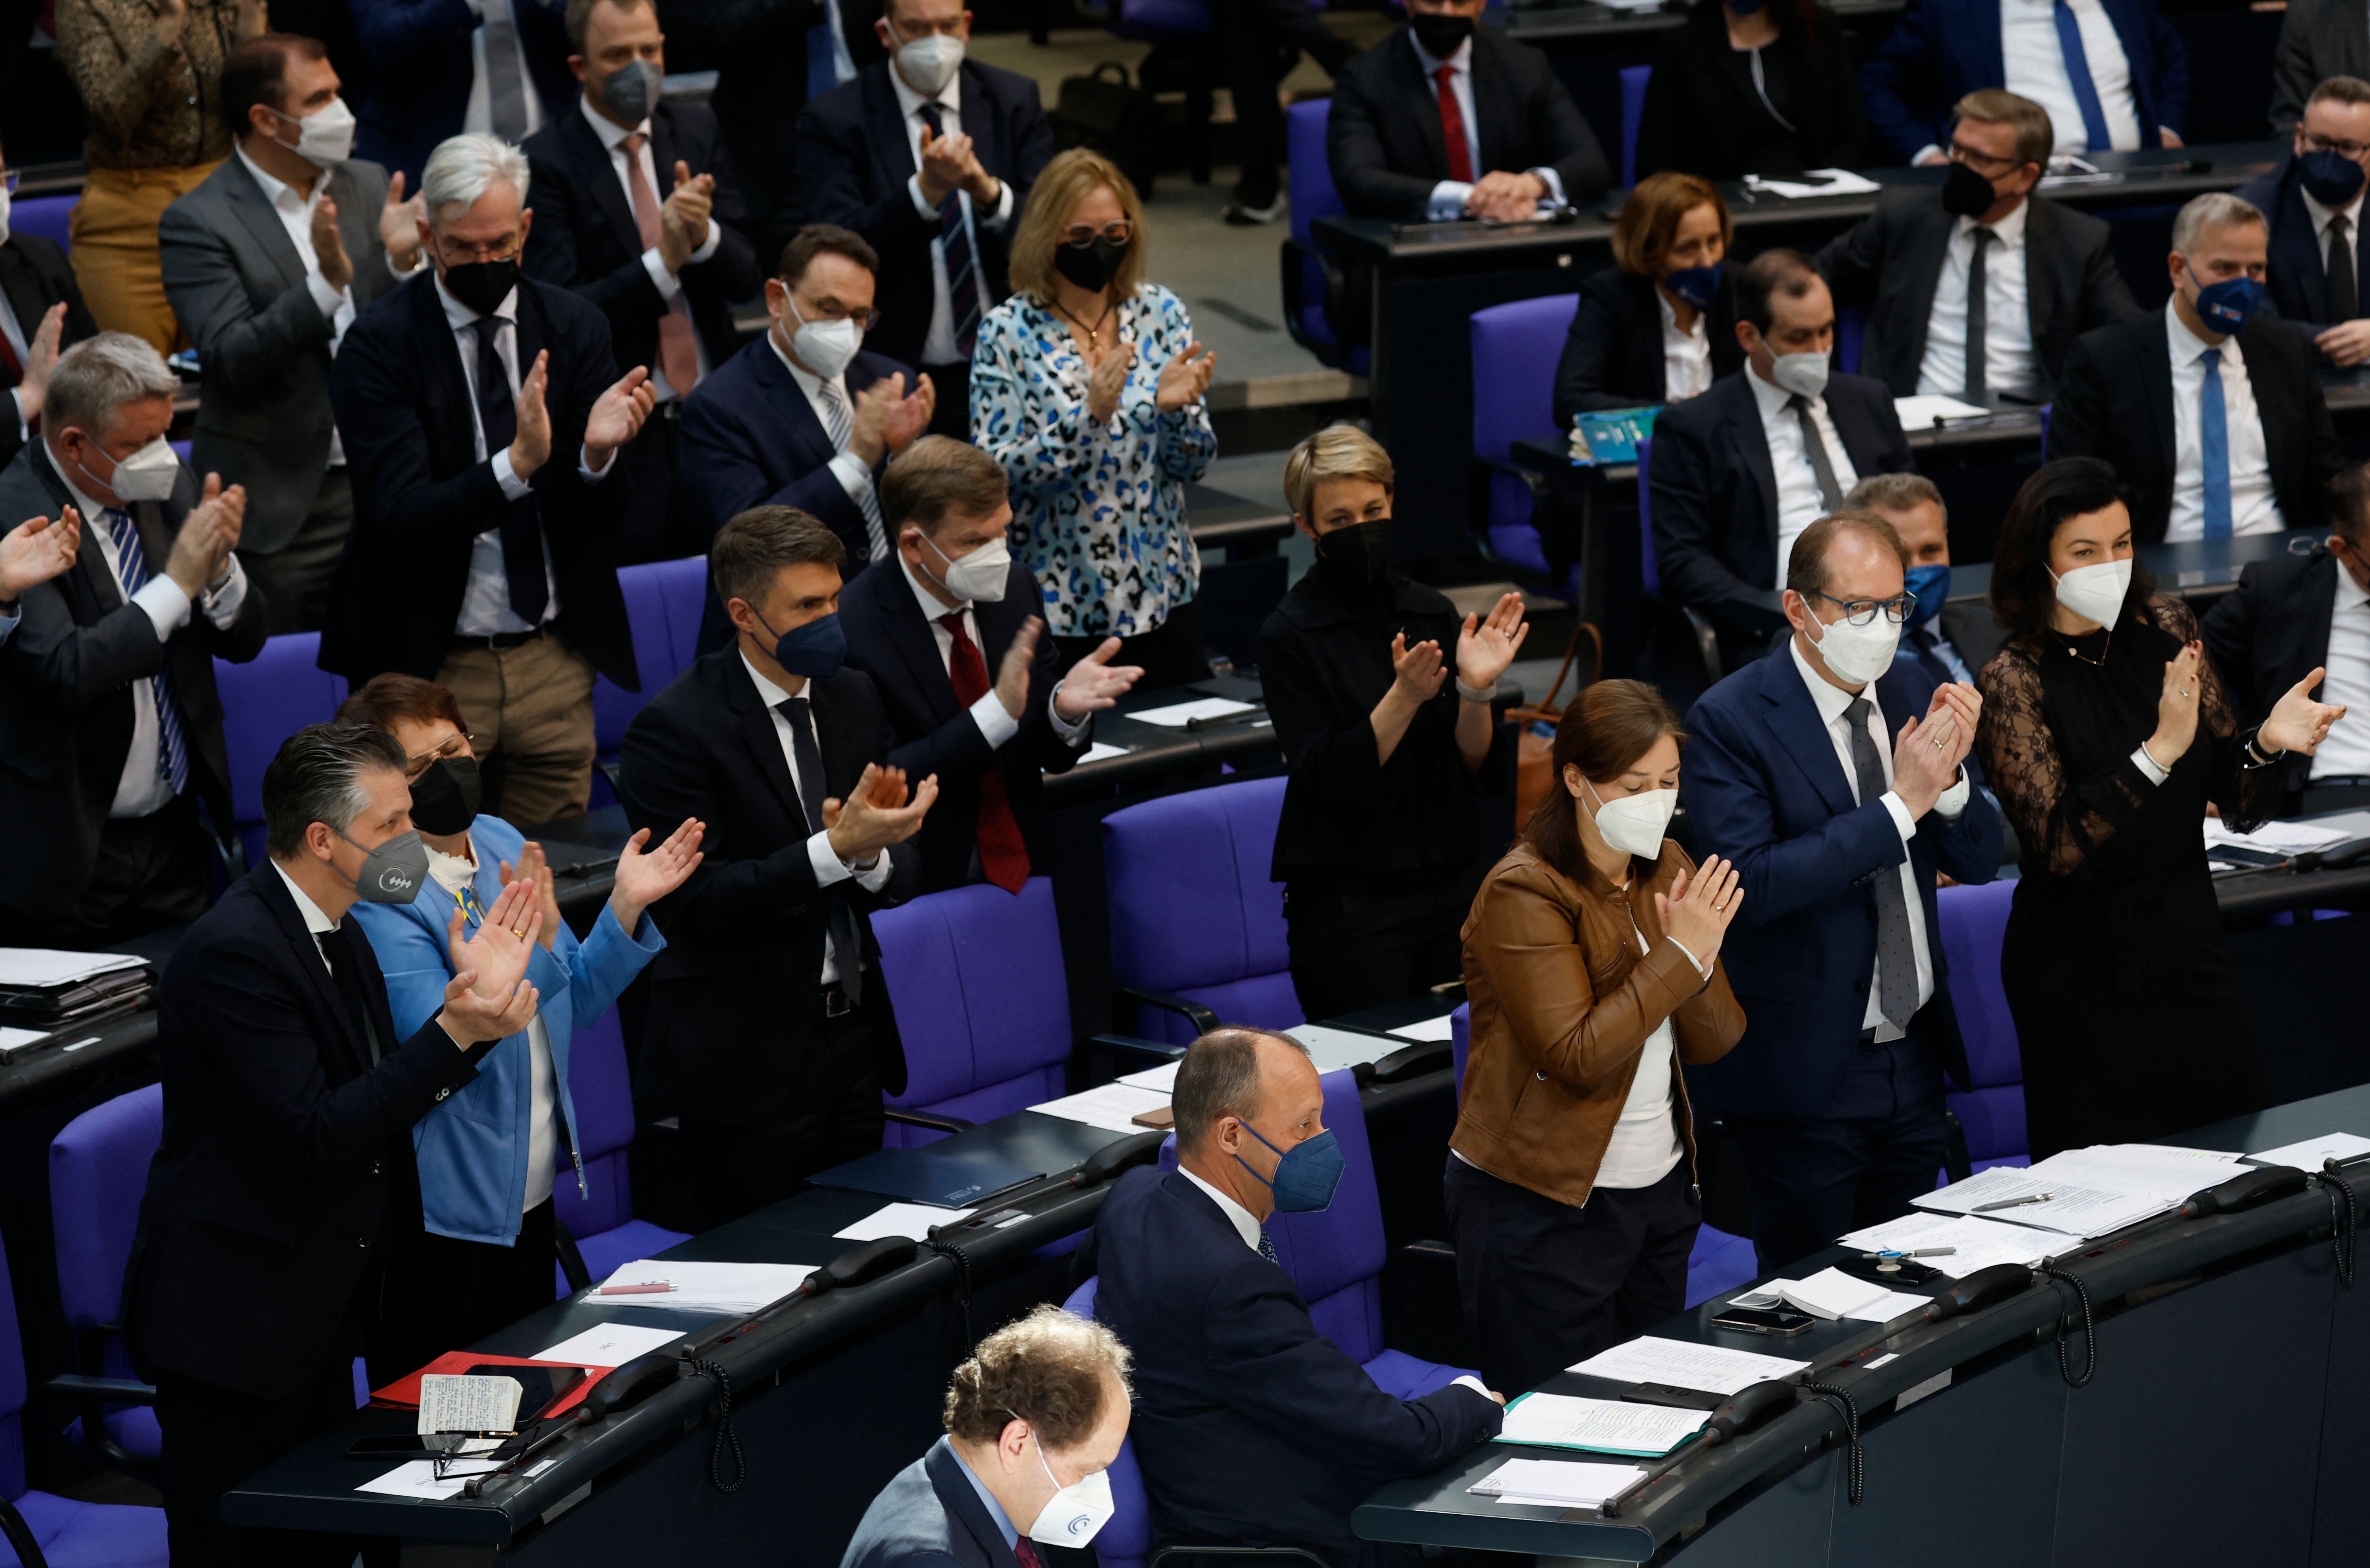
[51,217]
[663,601]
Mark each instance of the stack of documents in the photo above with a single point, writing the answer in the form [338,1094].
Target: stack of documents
[1832,1294]
[449,1404]
[1682,1364]
[2088,1192]
[912,1221]
[2279,838]
[2310,1154]
[1815,182]
[1555,1483]
[1162,1077]
[1975,1243]
[705,1287]
[1110,1106]
[1917,414]
[1177,715]
[43,990]
[1602,1427]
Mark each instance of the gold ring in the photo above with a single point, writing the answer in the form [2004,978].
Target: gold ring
[518,930]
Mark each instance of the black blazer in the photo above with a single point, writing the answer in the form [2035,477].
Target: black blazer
[2116,403]
[1251,1427]
[854,161]
[733,994]
[286,1163]
[2318,39]
[1386,148]
[1703,117]
[2298,274]
[1892,259]
[759,48]
[890,639]
[34,276]
[928,1513]
[65,691]
[2272,631]
[584,238]
[422,495]
[1613,355]
[1714,491]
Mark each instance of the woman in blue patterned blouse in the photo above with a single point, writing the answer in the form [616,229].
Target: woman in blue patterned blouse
[1086,386]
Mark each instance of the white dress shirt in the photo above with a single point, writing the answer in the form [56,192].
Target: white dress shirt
[1645,1140]
[478,113]
[1448,197]
[453,873]
[2007,319]
[939,343]
[1686,356]
[828,867]
[849,469]
[613,137]
[2346,753]
[997,724]
[142,789]
[295,215]
[315,923]
[1799,505]
[2034,59]
[2254,509]
[2322,216]
[1831,701]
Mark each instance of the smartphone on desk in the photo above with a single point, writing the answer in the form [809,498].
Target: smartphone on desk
[1781,1320]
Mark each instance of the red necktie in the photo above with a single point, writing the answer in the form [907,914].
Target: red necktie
[1026,1550]
[678,343]
[1002,854]
[1452,126]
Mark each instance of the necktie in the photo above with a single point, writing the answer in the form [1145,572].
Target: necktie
[844,943]
[1452,127]
[1267,1248]
[1831,495]
[2344,289]
[132,575]
[678,346]
[1978,309]
[1002,854]
[954,243]
[2077,75]
[505,72]
[840,425]
[522,522]
[345,972]
[1024,1550]
[1896,954]
[2214,446]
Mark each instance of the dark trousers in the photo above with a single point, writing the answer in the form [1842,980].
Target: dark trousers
[215,1439]
[445,1294]
[1545,1284]
[1259,41]
[832,1118]
[295,578]
[152,872]
[1171,655]
[952,414]
[1352,949]
[1881,1144]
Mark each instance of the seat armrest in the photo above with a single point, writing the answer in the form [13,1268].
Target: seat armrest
[1202,1018]
[20,1536]
[1412,1061]
[923,1119]
[1147,1053]
[571,1261]
[106,1390]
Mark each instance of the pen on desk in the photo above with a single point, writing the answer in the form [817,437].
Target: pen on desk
[651,1287]
[80,1043]
[2013,1203]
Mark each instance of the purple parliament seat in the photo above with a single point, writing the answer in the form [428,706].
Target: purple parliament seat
[1515,348]
[265,701]
[607,1235]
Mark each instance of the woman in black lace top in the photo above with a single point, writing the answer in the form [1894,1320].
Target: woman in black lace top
[2105,732]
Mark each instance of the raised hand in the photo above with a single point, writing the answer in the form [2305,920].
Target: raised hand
[201,550]
[534,869]
[1108,380]
[31,553]
[645,876]
[910,417]
[1095,683]
[472,1018]
[1418,671]
[2176,706]
[682,220]
[946,165]
[531,448]
[329,245]
[398,225]
[497,954]
[1486,647]
[877,814]
[1699,910]
[1185,377]
[876,412]
[1925,758]
[41,358]
[2297,724]
[1012,674]
[617,415]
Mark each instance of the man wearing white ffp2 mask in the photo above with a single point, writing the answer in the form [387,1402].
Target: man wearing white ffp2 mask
[1034,1421]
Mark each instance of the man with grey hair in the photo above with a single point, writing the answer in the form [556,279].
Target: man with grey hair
[482,415]
[108,711]
[1253,1428]
[289,1104]
[2209,411]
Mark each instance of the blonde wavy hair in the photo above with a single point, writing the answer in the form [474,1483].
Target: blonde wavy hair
[1065,182]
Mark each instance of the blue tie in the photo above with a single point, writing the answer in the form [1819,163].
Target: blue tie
[2214,446]
[132,575]
[2078,71]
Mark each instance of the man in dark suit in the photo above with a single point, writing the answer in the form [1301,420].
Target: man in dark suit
[1949,640]
[2213,442]
[2313,203]
[2318,39]
[769,1032]
[958,607]
[928,155]
[267,264]
[665,272]
[109,721]
[286,1165]
[1252,1428]
[772,57]
[805,417]
[1830,775]
[442,67]
[481,421]
[41,313]
[2111,73]
[2039,275]
[1445,119]
[1033,1420]
[2293,615]
[1735,478]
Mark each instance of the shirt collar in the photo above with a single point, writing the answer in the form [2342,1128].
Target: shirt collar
[1462,60]
[2350,595]
[450,872]
[1829,698]
[276,189]
[457,315]
[949,97]
[2321,213]
[931,608]
[89,509]
[1671,319]
[808,382]
[994,1509]
[320,925]
[608,129]
[2187,345]
[768,693]
[1773,398]
[2009,229]
[1245,1225]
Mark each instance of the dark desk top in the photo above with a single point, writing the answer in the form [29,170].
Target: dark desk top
[1553,26]
[2193,569]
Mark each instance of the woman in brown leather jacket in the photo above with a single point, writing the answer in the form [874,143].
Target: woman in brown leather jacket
[1592,961]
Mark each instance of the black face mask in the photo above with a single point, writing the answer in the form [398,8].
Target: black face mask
[482,285]
[1965,193]
[1441,35]
[1091,265]
[1357,559]
[444,800]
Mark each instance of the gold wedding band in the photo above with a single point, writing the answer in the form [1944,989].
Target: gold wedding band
[518,930]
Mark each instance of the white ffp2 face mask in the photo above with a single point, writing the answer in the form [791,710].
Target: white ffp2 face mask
[1858,654]
[2095,592]
[979,577]
[827,347]
[1072,1515]
[1805,375]
[147,475]
[930,61]
[1635,823]
[325,136]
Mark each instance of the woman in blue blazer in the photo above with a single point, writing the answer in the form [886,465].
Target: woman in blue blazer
[490,1154]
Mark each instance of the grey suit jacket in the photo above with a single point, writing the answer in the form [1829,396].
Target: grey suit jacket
[237,282]
[2318,39]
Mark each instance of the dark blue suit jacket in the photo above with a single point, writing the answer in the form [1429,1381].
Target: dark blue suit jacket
[929,1513]
[1251,1427]
[420,69]
[2298,276]
[1942,50]
[1764,787]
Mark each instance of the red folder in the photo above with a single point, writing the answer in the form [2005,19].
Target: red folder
[404,1392]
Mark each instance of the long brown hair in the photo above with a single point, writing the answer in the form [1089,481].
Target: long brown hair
[1603,731]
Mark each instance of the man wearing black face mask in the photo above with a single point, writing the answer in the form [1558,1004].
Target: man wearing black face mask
[2313,203]
[638,210]
[1382,842]
[1986,289]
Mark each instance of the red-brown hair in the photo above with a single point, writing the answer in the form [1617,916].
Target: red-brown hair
[391,699]
[1603,732]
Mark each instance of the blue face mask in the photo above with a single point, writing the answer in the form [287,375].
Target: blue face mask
[815,650]
[1932,585]
[1305,1174]
[2328,177]
[1696,285]
[2225,307]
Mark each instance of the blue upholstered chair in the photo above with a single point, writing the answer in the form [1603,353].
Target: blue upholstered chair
[1633,109]
[51,217]
[1515,347]
[99,1168]
[1323,304]
[1990,1115]
[606,1234]
[265,701]
[648,590]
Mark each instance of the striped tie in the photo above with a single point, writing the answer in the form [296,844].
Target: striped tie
[954,241]
[841,427]
[132,575]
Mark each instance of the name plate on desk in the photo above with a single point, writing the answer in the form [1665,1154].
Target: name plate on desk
[927,1176]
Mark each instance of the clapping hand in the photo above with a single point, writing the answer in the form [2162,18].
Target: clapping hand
[1109,379]
[877,814]
[1698,910]
[1927,756]
[2176,706]
[329,245]
[1486,647]
[1012,674]
[1095,683]
[643,877]
[909,417]
[398,225]
[1418,671]
[951,163]
[201,550]
[534,869]
[41,358]
[31,553]
[1185,377]
[488,998]
[2296,722]
[682,220]
[887,419]
[617,415]
[531,447]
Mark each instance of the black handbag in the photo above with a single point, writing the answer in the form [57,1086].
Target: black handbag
[1107,110]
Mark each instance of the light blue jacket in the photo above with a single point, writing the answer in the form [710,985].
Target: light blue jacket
[473,1148]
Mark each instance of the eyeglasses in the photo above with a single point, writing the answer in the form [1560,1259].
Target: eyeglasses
[2327,144]
[414,767]
[1079,233]
[865,319]
[1962,152]
[1862,612]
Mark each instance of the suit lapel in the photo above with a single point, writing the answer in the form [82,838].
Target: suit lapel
[1492,105]
[979,122]
[600,175]
[800,427]
[1802,734]
[307,955]
[885,124]
[2047,289]
[445,388]
[2271,385]
[917,645]
[2157,380]
[1422,95]
[1981,18]
[263,226]
[756,723]
[1750,438]
[1929,252]
[23,291]
[2318,585]
[2300,255]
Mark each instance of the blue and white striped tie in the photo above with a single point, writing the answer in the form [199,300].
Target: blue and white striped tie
[132,575]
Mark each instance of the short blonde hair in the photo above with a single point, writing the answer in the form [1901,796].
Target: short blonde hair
[1064,183]
[1337,451]
[1649,219]
[1046,1369]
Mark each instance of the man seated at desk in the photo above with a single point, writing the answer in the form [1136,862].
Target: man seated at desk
[1986,287]
[1253,1428]
[2313,203]
[1444,120]
[1737,474]
[2209,411]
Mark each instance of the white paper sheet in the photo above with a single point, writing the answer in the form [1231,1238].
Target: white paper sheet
[1608,1426]
[609,1344]
[1440,1028]
[1978,1242]
[1101,751]
[1109,1106]
[453,1402]
[911,1221]
[2070,1208]
[1713,1369]
[2280,837]
[1832,182]
[417,1478]
[2308,1155]
[1920,412]
[1832,1294]
[1333,1049]
[1177,715]
[1555,1483]
[707,1287]
[19,1039]
[49,966]
[1162,1079]
[2152,1170]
